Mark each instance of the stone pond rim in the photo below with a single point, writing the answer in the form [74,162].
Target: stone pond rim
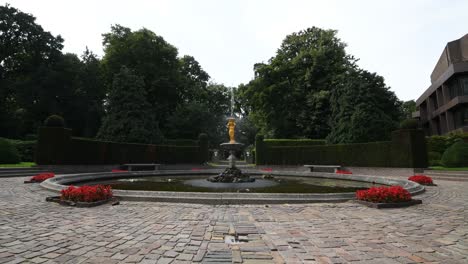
[62,181]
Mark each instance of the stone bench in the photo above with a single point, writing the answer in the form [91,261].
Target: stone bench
[323,168]
[140,167]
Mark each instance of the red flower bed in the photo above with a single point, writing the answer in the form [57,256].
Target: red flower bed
[393,194]
[267,169]
[421,179]
[86,193]
[343,172]
[42,177]
[118,170]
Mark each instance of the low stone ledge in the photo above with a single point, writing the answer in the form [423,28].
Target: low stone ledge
[59,182]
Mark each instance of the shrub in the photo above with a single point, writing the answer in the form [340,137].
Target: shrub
[434,158]
[181,142]
[437,144]
[393,194]
[409,124]
[42,177]
[293,142]
[8,152]
[25,149]
[456,155]
[54,121]
[86,193]
[421,179]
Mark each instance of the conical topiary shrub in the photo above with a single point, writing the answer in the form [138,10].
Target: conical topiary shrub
[456,155]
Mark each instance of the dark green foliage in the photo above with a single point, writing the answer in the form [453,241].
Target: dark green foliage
[408,108]
[180,142]
[54,121]
[259,149]
[434,158]
[293,142]
[151,58]
[27,58]
[56,146]
[52,144]
[36,79]
[298,78]
[205,110]
[8,152]
[456,155]
[376,154]
[409,124]
[129,117]
[407,149]
[25,149]
[324,92]
[204,147]
[363,109]
[437,144]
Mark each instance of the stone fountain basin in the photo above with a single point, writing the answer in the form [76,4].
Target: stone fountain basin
[62,181]
[232,146]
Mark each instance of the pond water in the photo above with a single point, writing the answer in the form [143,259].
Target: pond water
[200,184]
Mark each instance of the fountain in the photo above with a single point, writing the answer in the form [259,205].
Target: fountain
[232,173]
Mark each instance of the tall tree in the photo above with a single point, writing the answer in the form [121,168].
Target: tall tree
[289,95]
[27,55]
[152,58]
[363,109]
[408,108]
[129,116]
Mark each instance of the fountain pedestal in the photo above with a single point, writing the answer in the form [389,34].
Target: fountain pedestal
[232,173]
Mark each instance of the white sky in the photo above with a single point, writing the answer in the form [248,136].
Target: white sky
[399,39]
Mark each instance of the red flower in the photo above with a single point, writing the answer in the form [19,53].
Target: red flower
[42,177]
[393,194]
[421,179]
[343,172]
[86,193]
[115,170]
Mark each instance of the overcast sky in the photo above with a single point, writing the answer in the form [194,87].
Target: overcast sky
[399,39]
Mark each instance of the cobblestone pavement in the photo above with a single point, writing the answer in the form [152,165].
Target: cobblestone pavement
[32,230]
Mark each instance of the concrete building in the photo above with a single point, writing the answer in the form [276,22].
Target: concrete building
[443,107]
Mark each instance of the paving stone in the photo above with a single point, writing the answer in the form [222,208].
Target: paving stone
[35,231]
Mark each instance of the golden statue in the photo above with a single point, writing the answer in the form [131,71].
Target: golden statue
[231,125]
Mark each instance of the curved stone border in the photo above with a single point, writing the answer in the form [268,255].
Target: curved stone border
[59,182]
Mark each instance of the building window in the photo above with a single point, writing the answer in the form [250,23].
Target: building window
[461,116]
[464,83]
[465,117]
[453,85]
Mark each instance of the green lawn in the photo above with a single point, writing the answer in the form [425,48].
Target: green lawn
[448,169]
[18,165]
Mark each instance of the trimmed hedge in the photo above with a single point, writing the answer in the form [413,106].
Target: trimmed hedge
[25,149]
[333,154]
[181,142]
[409,124]
[293,142]
[456,155]
[54,121]
[437,144]
[8,152]
[407,149]
[56,146]
[434,158]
